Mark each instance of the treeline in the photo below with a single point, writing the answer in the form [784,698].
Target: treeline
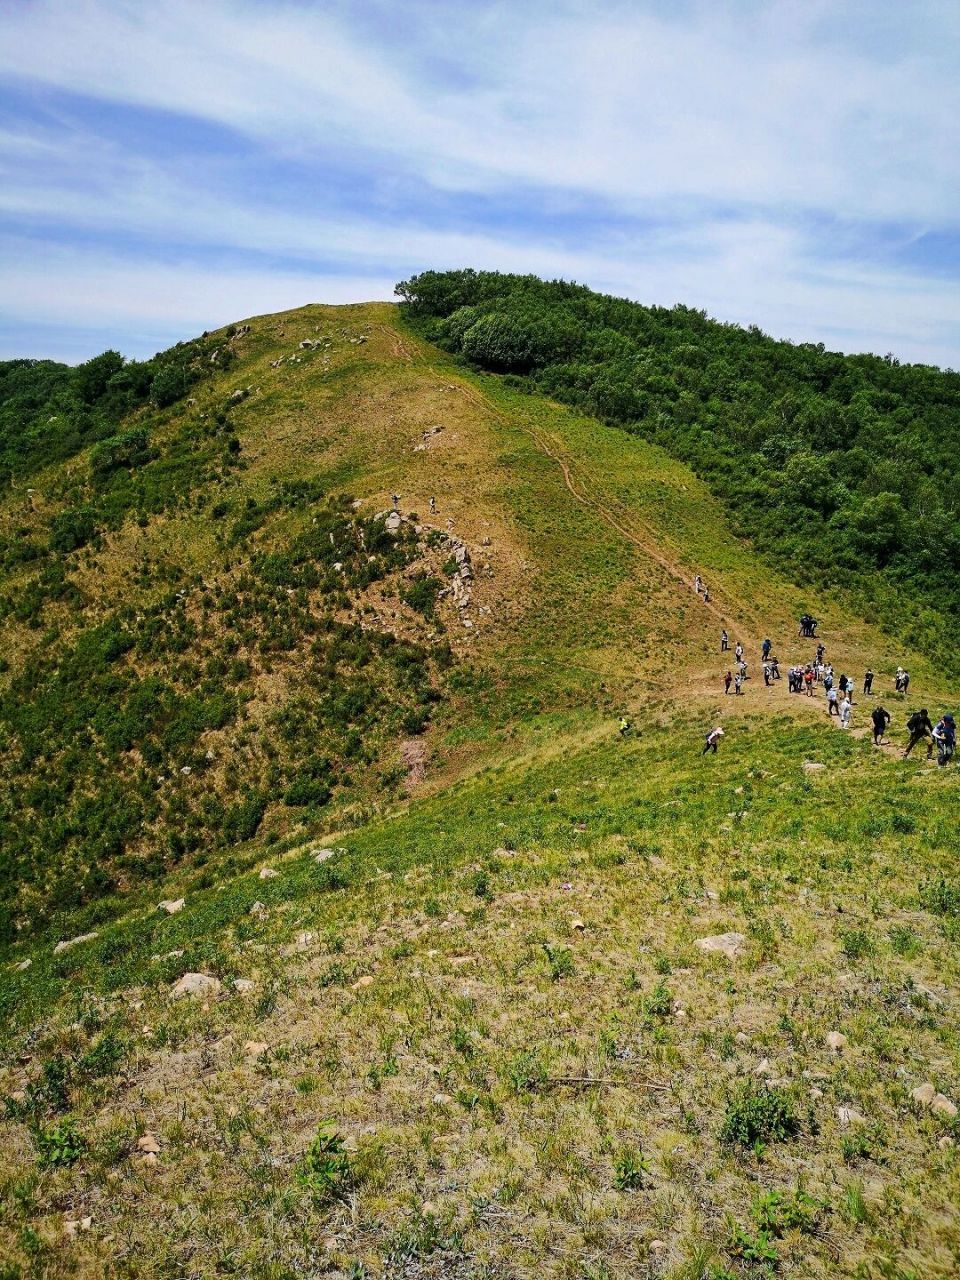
[841,468]
[50,411]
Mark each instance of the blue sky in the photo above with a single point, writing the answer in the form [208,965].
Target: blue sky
[167,168]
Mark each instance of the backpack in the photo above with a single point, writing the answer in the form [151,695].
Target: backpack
[915,722]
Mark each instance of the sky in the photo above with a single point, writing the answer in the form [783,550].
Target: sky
[170,167]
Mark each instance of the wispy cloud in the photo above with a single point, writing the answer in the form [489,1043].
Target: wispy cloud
[763,161]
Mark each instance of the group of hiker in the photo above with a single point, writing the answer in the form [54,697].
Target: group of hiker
[805,678]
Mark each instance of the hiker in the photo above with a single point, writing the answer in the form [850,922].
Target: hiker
[821,650]
[945,736]
[808,681]
[766,674]
[713,737]
[765,649]
[698,584]
[624,726]
[845,713]
[433,506]
[843,684]
[396,502]
[742,669]
[774,669]
[738,651]
[919,727]
[727,681]
[724,641]
[905,685]
[706,595]
[901,680]
[868,681]
[880,720]
[738,683]
[833,707]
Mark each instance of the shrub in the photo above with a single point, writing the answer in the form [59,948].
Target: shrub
[756,1114]
[325,1170]
[59,1146]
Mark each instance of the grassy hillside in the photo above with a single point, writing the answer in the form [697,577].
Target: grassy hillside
[453,1017]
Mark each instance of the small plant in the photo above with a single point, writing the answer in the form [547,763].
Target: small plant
[940,896]
[629,1170]
[778,1211]
[325,1170]
[659,1003]
[59,1146]
[757,1115]
[905,941]
[854,1205]
[559,961]
[758,1250]
[856,943]
[526,1072]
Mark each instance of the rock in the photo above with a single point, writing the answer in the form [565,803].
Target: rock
[186,770]
[728,944]
[578,926]
[23,965]
[393,521]
[924,1094]
[243,986]
[195,984]
[74,942]
[943,1107]
[170,906]
[72,1225]
[442,1099]
[848,1116]
[945,1143]
[836,1041]
[148,1144]
[268,873]
[323,855]
[362,983]
[254,1048]
[812,766]
[259,910]
[657,1246]
[763,1068]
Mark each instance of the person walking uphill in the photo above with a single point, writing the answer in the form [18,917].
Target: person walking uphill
[833,707]
[727,681]
[713,737]
[868,681]
[724,641]
[880,720]
[920,727]
[845,712]
[945,736]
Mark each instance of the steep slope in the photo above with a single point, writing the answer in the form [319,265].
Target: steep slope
[469,958]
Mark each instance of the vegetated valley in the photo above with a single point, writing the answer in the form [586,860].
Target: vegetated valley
[343,933]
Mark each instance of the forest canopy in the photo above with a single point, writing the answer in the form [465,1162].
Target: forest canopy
[842,468]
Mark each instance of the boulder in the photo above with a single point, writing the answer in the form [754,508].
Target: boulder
[836,1041]
[812,766]
[362,983]
[148,1144]
[268,873]
[727,944]
[323,855]
[74,942]
[171,906]
[924,1094]
[23,965]
[943,1107]
[195,984]
[243,986]
[848,1116]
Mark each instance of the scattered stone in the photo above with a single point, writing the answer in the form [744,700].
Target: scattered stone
[442,1099]
[195,984]
[23,965]
[74,942]
[362,983]
[393,521]
[186,770]
[170,906]
[148,1144]
[243,986]
[173,955]
[943,1107]
[268,873]
[578,926]
[836,1041]
[728,944]
[812,766]
[945,1143]
[763,1068]
[259,910]
[848,1116]
[657,1246]
[254,1048]
[741,1037]
[924,1094]
[72,1225]
[323,855]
